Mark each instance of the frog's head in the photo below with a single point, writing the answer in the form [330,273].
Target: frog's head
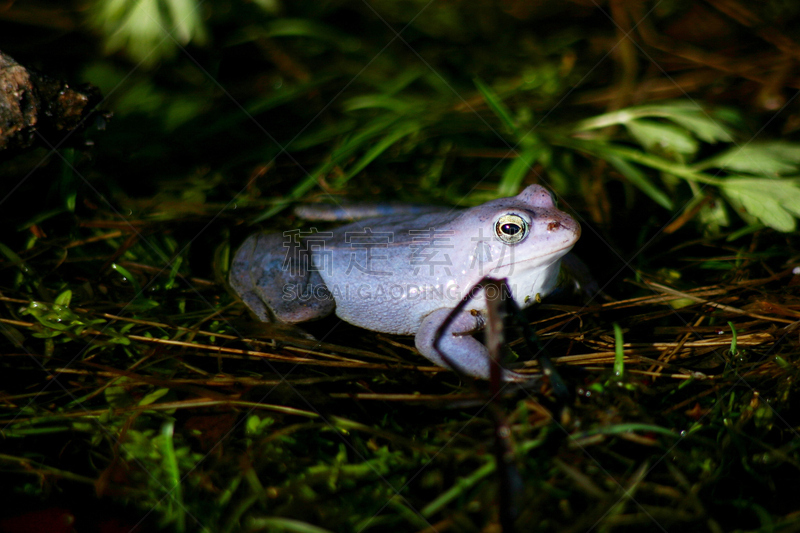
[523,238]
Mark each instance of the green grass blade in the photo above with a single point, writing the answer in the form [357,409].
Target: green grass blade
[283,524]
[499,108]
[175,497]
[380,147]
[638,178]
[619,352]
[517,170]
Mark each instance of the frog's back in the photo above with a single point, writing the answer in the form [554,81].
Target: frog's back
[387,273]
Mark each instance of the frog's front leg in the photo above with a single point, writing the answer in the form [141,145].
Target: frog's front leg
[461,349]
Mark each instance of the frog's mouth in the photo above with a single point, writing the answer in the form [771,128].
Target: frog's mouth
[548,259]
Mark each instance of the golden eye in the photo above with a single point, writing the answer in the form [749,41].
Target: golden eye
[511,228]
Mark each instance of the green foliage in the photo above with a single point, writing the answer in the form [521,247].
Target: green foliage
[761,158]
[57,319]
[127,364]
[139,302]
[670,144]
[637,177]
[161,467]
[311,29]
[148,30]
[133,94]
[708,125]
[655,137]
[774,202]
[389,114]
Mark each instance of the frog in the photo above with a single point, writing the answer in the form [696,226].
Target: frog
[405,274]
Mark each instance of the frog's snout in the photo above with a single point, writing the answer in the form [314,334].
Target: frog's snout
[562,224]
[575,228]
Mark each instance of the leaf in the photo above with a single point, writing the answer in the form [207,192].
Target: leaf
[64,298]
[251,424]
[173,272]
[272,7]
[358,140]
[707,127]
[117,394]
[770,158]
[381,146]
[285,524]
[40,217]
[657,136]
[637,178]
[498,107]
[401,80]
[141,304]
[326,133]
[775,203]
[153,396]
[517,170]
[15,259]
[704,127]
[619,352]
[271,100]
[188,21]
[148,30]
[309,29]
[747,230]
[380,101]
[714,216]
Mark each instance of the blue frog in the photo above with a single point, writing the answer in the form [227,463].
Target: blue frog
[404,274]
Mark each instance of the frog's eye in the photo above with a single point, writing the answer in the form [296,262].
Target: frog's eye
[511,228]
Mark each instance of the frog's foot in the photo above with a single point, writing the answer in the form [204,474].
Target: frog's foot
[275,283]
[460,349]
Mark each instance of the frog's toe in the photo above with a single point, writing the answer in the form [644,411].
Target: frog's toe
[456,347]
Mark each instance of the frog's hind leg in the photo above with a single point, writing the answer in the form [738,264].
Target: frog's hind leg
[275,281]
